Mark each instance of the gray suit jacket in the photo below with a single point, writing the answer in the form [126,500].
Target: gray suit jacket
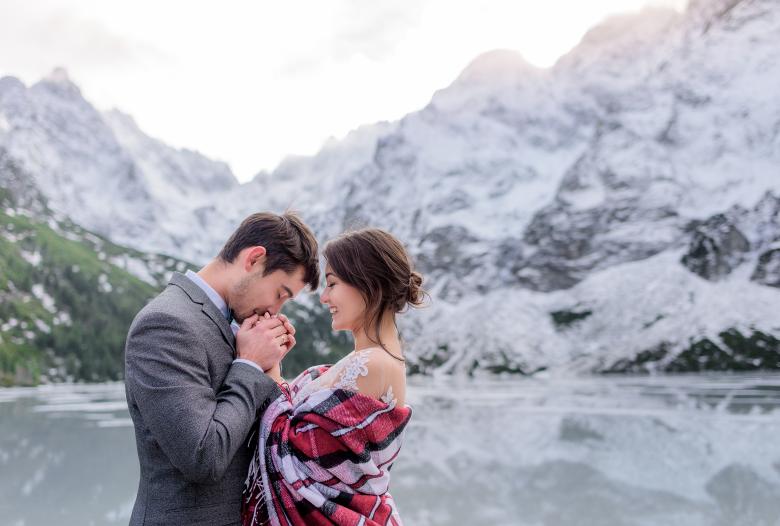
[192,408]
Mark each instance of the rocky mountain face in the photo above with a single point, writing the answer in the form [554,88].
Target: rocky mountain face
[102,171]
[617,212]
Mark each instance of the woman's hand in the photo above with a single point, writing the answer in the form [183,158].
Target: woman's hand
[275,373]
[288,343]
[290,332]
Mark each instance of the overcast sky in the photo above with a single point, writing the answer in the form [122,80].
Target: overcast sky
[249,82]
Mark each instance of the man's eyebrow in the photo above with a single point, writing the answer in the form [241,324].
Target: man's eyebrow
[329,274]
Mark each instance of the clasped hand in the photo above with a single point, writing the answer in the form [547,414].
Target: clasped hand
[265,341]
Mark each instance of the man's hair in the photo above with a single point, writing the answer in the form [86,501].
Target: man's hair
[288,242]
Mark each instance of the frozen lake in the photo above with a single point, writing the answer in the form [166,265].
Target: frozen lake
[672,450]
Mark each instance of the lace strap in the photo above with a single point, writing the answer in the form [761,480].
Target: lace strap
[356,366]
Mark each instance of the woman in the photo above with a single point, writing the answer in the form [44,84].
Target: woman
[326,445]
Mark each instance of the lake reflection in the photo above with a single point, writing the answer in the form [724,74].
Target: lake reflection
[67,456]
[687,450]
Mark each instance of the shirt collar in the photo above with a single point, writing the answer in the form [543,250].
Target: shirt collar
[215,298]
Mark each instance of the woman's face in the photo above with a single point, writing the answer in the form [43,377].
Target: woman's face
[347,307]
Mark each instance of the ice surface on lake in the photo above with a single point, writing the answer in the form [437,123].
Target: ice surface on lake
[685,450]
[674,450]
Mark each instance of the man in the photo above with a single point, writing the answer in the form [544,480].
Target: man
[194,389]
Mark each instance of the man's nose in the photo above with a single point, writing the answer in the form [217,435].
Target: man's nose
[276,309]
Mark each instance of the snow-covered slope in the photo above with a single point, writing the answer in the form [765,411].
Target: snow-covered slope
[532,197]
[102,171]
[619,211]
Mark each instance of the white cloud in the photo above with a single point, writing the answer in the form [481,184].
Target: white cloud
[374,29]
[249,82]
[34,40]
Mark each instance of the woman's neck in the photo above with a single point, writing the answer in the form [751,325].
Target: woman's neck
[388,335]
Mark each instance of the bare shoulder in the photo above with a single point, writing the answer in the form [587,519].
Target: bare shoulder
[378,362]
[381,374]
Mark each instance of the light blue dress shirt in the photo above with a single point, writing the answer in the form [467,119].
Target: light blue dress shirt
[220,304]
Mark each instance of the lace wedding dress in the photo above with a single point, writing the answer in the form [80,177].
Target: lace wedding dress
[345,374]
[325,458]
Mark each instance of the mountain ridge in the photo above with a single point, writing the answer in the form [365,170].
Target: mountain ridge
[649,151]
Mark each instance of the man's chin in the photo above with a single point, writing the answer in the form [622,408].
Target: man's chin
[239,317]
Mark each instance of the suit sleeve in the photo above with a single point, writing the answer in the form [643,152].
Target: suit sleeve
[199,430]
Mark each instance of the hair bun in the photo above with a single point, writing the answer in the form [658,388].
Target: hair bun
[415,293]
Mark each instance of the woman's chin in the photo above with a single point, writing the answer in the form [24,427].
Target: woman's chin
[336,326]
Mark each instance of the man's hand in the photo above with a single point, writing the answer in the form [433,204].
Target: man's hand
[263,340]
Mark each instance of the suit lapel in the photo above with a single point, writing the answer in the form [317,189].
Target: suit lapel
[216,316]
[197,295]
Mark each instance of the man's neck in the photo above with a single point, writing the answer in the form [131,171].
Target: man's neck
[215,274]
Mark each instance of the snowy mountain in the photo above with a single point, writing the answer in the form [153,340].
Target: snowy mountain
[102,171]
[619,211]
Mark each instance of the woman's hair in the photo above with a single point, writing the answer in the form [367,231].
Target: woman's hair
[378,266]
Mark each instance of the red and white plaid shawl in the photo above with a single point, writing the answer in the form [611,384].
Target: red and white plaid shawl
[324,459]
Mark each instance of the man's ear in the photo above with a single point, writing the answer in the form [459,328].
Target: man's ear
[253,257]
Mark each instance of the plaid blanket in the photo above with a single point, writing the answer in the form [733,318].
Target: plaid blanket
[324,458]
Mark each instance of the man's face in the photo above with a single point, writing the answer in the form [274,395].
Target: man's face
[258,294]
